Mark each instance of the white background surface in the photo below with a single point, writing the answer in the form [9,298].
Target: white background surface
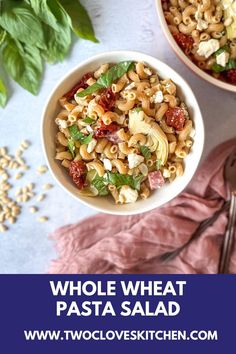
[123,24]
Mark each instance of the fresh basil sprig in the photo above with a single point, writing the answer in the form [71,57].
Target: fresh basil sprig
[77,135]
[106,79]
[221,50]
[35,30]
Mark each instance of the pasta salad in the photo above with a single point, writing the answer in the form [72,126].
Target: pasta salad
[206,31]
[123,131]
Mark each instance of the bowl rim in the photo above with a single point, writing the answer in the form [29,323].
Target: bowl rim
[94,58]
[184,58]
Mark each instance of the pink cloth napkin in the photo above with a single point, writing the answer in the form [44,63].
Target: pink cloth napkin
[132,244]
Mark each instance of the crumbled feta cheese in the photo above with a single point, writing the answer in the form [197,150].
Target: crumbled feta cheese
[207,48]
[147,71]
[134,160]
[107,164]
[89,129]
[158,97]
[91,145]
[130,86]
[222,59]
[128,195]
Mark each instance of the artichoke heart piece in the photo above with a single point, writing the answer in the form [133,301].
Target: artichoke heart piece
[157,141]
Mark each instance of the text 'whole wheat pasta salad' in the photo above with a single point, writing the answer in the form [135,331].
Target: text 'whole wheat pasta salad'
[123,131]
[206,32]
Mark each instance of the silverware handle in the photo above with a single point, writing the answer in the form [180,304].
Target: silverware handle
[229,238]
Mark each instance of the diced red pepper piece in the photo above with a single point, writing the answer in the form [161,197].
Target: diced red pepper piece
[107,99]
[184,41]
[81,84]
[175,118]
[156,180]
[77,171]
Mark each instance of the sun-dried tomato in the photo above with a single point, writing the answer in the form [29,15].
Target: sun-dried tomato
[107,99]
[230,76]
[81,84]
[106,130]
[184,41]
[77,171]
[175,118]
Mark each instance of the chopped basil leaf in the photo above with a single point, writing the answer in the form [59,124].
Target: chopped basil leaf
[145,151]
[77,135]
[100,184]
[119,180]
[106,79]
[88,120]
[158,164]
[71,146]
[223,49]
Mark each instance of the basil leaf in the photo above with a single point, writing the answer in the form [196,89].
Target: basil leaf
[18,19]
[43,11]
[145,151]
[3,94]
[58,42]
[101,185]
[23,63]
[217,68]
[106,79]
[77,135]
[85,139]
[120,180]
[80,20]
[223,49]
[114,73]
[71,146]
[88,120]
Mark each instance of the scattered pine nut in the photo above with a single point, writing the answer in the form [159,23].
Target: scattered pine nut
[30,186]
[42,169]
[47,186]
[33,209]
[41,197]
[25,144]
[3,228]
[11,220]
[18,175]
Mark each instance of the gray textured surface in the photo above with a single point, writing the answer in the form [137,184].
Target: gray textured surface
[124,24]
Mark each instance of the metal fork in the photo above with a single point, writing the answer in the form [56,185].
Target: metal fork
[230,176]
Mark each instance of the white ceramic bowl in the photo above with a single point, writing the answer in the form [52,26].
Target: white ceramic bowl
[106,204]
[183,56]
